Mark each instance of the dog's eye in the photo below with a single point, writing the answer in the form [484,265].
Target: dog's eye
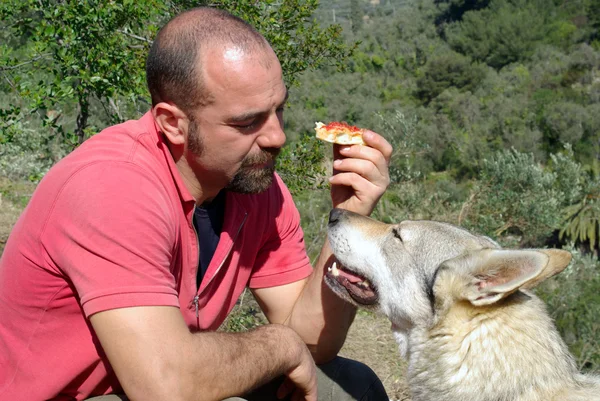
[397,234]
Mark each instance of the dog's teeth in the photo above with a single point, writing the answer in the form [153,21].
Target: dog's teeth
[366,283]
[334,270]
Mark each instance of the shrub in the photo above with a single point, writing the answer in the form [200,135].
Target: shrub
[517,201]
[401,133]
[301,164]
[449,70]
[573,301]
[26,153]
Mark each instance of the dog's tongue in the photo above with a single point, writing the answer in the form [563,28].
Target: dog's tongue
[353,278]
[357,286]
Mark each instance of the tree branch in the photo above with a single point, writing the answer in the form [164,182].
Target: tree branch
[143,39]
[33,60]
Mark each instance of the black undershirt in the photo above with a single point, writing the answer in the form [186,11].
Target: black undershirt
[208,222]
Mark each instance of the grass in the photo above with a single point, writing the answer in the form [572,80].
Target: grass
[13,199]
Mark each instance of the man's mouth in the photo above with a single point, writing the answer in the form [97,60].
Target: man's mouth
[358,287]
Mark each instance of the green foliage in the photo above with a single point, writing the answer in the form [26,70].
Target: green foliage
[581,222]
[301,164]
[24,153]
[564,123]
[246,315]
[504,32]
[581,219]
[448,70]
[593,12]
[71,68]
[573,301]
[72,51]
[356,16]
[298,40]
[453,10]
[401,133]
[518,201]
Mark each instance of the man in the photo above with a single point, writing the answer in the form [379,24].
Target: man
[105,283]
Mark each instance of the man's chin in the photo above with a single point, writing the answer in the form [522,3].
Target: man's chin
[252,182]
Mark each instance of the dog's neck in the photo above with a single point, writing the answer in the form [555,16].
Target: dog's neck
[475,347]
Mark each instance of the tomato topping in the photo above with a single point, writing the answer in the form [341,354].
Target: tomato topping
[342,125]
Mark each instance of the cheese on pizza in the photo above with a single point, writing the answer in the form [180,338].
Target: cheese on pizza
[340,133]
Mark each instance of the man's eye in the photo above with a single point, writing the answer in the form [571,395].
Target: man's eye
[246,126]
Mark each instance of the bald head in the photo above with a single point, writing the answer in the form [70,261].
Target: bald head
[175,64]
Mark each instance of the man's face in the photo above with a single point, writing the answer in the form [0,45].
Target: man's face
[233,142]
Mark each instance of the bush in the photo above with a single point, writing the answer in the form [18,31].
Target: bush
[301,165]
[401,133]
[573,301]
[26,153]
[517,201]
[449,70]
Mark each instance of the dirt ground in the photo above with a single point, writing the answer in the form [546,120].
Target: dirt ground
[369,340]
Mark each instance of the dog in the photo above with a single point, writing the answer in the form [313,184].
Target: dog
[460,309]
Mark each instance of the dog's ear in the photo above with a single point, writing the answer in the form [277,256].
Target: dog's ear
[493,274]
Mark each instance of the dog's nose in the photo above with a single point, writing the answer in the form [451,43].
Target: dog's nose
[334,215]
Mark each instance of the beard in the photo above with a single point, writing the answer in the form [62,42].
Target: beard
[248,179]
[252,180]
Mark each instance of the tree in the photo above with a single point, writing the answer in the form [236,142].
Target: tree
[74,51]
[453,10]
[74,55]
[448,70]
[593,13]
[355,16]
[504,32]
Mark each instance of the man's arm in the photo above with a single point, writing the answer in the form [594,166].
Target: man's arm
[320,317]
[155,357]
[309,307]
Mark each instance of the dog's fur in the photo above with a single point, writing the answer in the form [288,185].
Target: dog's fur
[460,310]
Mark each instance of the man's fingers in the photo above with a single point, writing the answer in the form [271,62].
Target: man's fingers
[359,184]
[285,389]
[376,141]
[364,168]
[366,153]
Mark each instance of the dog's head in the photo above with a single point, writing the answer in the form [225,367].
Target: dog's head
[410,270]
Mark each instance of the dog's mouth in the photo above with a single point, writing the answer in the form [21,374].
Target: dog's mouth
[358,287]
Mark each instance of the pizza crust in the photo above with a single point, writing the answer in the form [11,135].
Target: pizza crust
[340,133]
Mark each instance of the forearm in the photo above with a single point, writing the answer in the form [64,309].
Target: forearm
[320,317]
[214,366]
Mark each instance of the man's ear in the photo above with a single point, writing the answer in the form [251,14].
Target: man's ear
[492,274]
[171,121]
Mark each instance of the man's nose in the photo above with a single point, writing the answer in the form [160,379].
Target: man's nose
[272,135]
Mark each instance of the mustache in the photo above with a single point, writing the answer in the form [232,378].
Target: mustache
[264,156]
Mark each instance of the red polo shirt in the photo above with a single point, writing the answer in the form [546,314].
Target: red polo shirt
[110,226]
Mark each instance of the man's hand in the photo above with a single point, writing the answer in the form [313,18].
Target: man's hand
[301,380]
[361,174]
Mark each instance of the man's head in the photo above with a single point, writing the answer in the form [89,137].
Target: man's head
[218,94]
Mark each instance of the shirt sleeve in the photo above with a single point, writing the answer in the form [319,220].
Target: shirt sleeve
[111,232]
[282,259]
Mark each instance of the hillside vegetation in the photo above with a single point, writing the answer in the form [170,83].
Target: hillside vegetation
[493,107]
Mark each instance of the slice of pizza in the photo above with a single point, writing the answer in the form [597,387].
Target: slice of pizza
[340,133]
